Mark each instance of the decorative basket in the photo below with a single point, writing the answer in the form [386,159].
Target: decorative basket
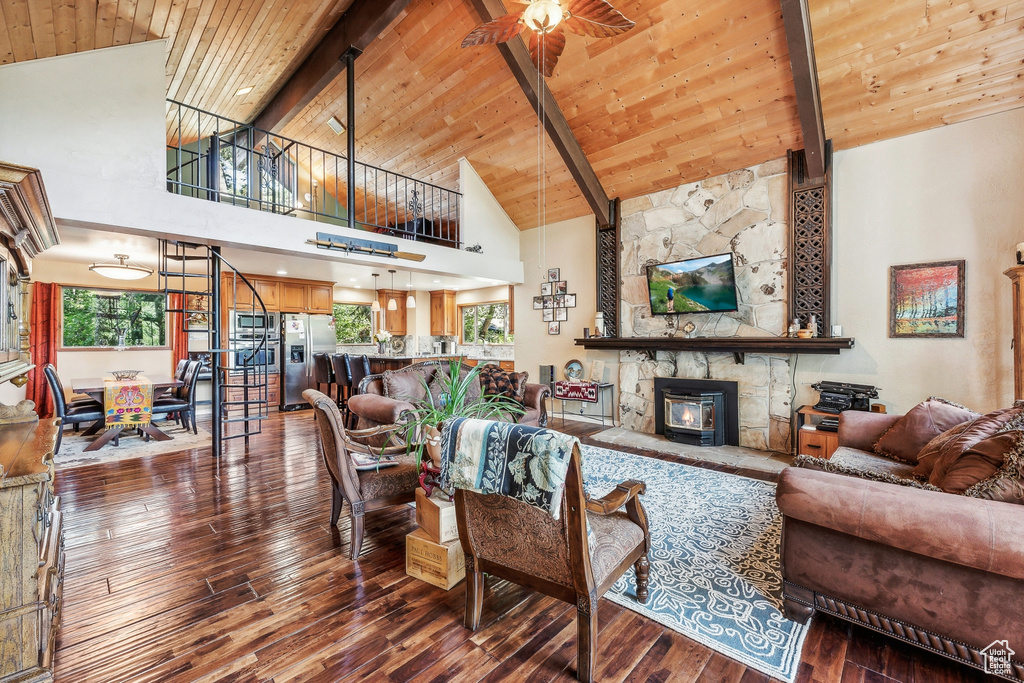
[125,375]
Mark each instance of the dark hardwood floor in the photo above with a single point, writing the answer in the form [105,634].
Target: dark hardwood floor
[180,568]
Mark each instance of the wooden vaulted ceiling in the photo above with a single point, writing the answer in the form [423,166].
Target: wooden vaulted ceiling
[694,90]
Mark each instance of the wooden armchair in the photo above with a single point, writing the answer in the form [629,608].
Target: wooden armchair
[364,490]
[509,539]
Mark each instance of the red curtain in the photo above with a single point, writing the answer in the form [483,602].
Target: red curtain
[178,333]
[44,333]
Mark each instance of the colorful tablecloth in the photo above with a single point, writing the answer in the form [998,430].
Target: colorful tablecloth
[127,403]
[576,391]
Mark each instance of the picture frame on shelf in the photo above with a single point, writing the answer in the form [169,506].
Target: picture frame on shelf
[597,371]
[552,274]
[561,314]
[553,328]
[927,300]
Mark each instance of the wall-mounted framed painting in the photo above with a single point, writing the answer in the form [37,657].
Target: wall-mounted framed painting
[548,315]
[538,303]
[552,274]
[926,300]
[553,328]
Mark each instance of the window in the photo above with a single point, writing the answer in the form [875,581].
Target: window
[103,317]
[352,323]
[486,323]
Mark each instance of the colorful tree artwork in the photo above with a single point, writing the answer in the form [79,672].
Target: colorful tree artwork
[927,299]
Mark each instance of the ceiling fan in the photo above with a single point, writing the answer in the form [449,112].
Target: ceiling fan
[547,18]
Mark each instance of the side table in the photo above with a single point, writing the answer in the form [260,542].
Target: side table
[811,440]
[589,392]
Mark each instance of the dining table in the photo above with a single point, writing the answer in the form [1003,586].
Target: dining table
[93,387]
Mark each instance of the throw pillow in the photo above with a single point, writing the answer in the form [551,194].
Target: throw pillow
[404,384]
[949,445]
[496,382]
[977,463]
[912,432]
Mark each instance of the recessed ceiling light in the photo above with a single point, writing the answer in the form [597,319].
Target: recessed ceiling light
[244,91]
[282,272]
[437,282]
[359,286]
[337,126]
[352,279]
[455,288]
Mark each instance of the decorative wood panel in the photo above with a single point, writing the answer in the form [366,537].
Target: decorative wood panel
[608,276]
[810,244]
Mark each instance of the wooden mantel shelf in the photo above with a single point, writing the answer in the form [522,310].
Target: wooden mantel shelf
[736,345]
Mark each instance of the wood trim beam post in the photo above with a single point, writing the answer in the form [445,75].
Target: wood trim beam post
[797,21]
[350,135]
[357,28]
[517,57]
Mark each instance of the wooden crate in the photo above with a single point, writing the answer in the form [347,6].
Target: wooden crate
[436,515]
[439,564]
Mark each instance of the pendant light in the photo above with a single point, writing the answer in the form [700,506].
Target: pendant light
[410,301]
[375,307]
[392,304]
[122,270]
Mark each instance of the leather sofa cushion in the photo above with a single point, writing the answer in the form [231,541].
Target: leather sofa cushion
[949,445]
[912,432]
[957,473]
[862,460]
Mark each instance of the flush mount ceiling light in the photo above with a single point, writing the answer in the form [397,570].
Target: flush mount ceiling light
[337,126]
[244,91]
[122,270]
[547,19]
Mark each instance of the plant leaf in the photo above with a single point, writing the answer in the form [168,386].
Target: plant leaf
[554,43]
[497,31]
[596,18]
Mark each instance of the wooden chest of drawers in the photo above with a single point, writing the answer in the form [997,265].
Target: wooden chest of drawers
[31,551]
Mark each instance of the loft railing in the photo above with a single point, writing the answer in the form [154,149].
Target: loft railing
[218,159]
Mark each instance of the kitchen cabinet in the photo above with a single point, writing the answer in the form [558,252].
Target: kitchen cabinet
[394,321]
[444,314]
[294,297]
[270,292]
[321,299]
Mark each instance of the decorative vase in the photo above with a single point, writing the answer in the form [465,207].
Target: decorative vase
[380,348]
[433,446]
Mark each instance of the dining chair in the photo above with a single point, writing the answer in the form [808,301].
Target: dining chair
[184,404]
[364,489]
[73,413]
[524,544]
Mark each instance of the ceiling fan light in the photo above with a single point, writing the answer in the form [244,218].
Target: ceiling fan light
[122,270]
[543,15]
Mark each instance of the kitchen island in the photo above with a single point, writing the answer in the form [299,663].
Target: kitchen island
[383,363]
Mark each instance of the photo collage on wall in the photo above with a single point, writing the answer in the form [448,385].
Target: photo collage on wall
[554,301]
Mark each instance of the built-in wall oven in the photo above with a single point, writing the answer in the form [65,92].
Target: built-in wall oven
[254,324]
[254,355]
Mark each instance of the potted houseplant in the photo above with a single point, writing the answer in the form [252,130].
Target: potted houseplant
[421,425]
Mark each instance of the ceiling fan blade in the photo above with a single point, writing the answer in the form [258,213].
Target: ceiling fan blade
[497,31]
[554,43]
[596,18]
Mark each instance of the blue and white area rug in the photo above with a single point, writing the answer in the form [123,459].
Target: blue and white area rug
[715,567]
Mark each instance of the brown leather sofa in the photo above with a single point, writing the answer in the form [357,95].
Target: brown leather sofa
[944,572]
[373,408]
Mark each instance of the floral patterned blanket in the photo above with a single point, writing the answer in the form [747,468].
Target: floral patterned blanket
[525,463]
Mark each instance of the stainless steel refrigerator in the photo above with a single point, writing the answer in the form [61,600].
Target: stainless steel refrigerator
[302,335]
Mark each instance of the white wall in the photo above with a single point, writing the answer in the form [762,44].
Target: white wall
[950,193]
[571,247]
[484,222]
[94,124]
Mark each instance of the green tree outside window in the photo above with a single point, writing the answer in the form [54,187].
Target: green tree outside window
[99,317]
[352,323]
[486,323]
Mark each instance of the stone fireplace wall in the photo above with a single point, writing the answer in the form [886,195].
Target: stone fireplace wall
[744,212]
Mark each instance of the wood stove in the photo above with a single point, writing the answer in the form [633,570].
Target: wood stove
[695,417]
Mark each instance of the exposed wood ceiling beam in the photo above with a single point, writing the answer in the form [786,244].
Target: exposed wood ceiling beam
[518,59]
[357,28]
[797,20]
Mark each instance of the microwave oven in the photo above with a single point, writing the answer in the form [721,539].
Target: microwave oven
[251,357]
[251,324]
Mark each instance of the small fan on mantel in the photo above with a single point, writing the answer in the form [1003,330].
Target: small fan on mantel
[547,18]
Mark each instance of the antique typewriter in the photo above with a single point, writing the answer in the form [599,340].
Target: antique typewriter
[835,397]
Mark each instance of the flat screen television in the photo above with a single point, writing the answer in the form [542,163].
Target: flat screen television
[696,285]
